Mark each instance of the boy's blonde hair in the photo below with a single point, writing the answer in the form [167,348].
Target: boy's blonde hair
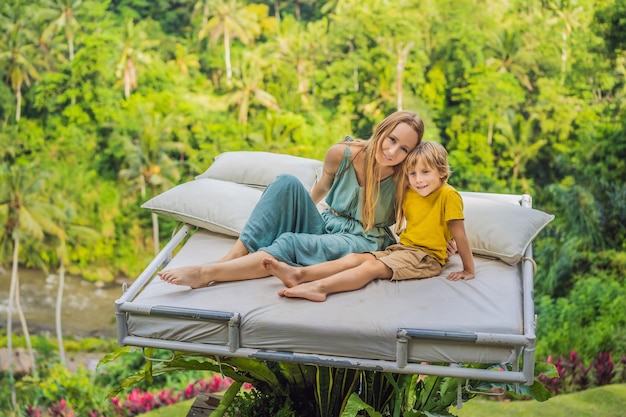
[433,155]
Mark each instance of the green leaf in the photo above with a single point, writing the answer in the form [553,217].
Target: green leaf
[118,352]
[227,399]
[547,369]
[256,369]
[125,383]
[537,391]
[355,404]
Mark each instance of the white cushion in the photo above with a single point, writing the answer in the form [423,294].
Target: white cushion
[258,169]
[218,206]
[495,228]
[501,230]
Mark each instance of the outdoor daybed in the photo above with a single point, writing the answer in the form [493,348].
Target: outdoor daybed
[403,327]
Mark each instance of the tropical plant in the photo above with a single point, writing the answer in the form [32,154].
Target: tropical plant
[230,20]
[292,389]
[28,213]
[298,45]
[249,86]
[64,15]
[148,165]
[574,375]
[507,53]
[18,53]
[517,136]
[136,46]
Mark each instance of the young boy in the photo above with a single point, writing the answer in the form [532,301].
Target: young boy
[434,214]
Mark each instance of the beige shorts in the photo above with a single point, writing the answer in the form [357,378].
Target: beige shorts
[408,263]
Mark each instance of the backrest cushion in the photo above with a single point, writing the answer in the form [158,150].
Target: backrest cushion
[258,169]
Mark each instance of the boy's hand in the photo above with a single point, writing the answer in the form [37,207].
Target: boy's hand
[460,276]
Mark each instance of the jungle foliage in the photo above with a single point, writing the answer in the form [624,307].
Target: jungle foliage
[105,104]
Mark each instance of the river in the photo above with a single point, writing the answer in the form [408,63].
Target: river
[87,309]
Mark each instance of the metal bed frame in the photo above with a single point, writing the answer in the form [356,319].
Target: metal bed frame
[524,344]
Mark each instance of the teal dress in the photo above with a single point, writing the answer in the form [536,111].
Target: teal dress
[287,224]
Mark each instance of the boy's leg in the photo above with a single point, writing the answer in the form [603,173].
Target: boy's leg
[346,280]
[293,275]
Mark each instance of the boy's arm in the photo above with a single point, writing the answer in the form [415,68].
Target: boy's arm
[457,228]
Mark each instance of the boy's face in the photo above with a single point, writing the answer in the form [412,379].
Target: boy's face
[424,179]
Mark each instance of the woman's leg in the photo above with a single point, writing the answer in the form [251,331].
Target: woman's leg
[349,280]
[285,207]
[246,267]
[236,251]
[292,275]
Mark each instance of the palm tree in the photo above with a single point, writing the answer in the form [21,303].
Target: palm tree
[248,85]
[517,135]
[278,4]
[508,54]
[569,14]
[184,60]
[64,12]
[402,53]
[147,159]
[297,47]
[201,8]
[134,44]
[29,214]
[18,56]
[68,234]
[230,20]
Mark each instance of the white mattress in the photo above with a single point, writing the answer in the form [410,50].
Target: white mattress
[357,324]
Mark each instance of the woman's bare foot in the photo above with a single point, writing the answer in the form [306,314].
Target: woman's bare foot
[289,275]
[310,290]
[185,275]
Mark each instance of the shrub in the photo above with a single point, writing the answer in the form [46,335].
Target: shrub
[589,320]
[140,402]
[574,375]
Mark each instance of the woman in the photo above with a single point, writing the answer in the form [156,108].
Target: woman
[362,183]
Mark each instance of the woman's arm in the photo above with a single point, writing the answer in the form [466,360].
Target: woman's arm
[332,160]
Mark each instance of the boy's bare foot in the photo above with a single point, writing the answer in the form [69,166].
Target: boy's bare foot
[289,275]
[309,290]
[185,275]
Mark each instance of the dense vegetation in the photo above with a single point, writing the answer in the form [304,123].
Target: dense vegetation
[104,104]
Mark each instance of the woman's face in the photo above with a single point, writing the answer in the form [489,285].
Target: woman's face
[397,145]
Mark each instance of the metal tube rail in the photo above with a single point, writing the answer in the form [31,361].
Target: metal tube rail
[452,370]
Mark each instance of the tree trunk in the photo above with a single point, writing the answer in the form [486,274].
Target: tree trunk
[155,233]
[18,110]
[16,242]
[20,313]
[399,71]
[59,306]
[229,69]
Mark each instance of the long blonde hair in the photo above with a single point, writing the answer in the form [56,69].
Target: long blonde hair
[371,188]
[433,155]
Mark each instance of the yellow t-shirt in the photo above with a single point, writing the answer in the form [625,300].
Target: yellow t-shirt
[427,220]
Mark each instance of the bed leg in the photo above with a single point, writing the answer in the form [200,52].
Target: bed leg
[402,349]
[233,332]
